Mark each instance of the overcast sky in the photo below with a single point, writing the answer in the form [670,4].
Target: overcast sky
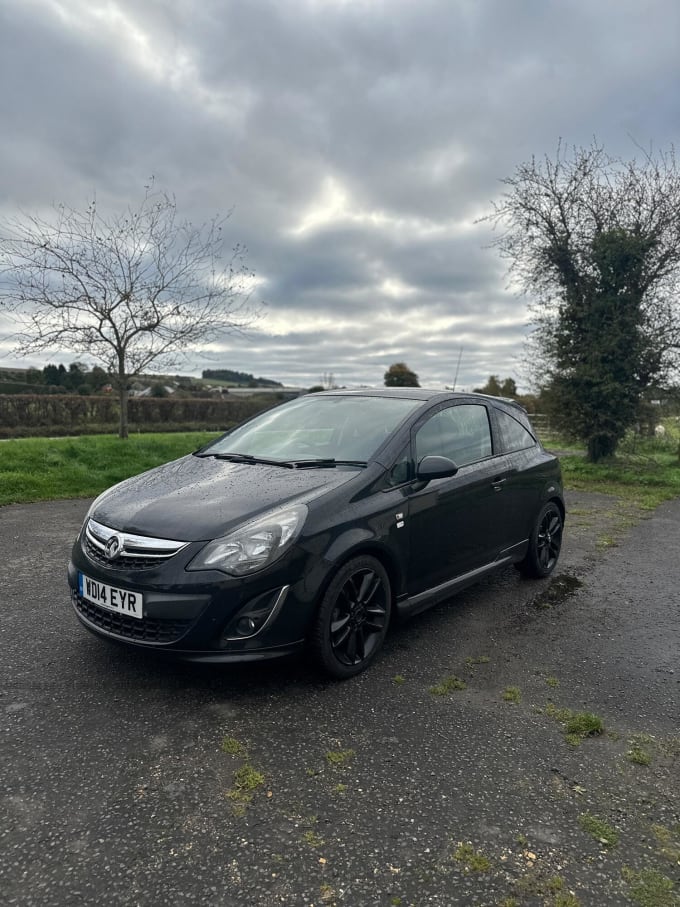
[357,142]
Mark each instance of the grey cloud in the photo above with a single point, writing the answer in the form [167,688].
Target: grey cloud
[416,110]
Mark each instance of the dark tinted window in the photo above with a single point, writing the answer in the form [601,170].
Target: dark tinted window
[460,433]
[513,435]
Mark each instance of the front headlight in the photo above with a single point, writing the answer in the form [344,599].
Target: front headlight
[254,545]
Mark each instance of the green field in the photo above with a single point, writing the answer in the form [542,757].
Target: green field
[40,469]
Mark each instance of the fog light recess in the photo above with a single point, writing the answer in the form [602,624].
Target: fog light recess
[255,616]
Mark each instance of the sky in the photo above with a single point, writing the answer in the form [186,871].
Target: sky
[356,144]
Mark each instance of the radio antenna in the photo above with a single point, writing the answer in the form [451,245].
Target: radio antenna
[455,377]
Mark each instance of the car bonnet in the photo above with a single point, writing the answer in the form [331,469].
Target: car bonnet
[199,498]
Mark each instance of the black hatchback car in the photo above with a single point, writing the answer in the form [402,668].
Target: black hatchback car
[314,524]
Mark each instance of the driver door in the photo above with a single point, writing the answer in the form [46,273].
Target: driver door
[454,522]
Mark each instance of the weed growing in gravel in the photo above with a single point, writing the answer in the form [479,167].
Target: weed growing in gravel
[313,839]
[471,661]
[246,781]
[669,839]
[473,860]
[552,891]
[599,829]
[339,757]
[552,682]
[565,899]
[447,685]
[398,679]
[233,747]
[512,694]
[577,725]
[650,888]
[638,756]
[581,725]
[641,748]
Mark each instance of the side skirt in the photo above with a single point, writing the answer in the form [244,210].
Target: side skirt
[408,605]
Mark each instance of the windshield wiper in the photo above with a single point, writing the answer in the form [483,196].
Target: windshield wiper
[247,458]
[312,463]
[325,463]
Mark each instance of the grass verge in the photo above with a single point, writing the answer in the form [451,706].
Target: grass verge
[643,479]
[645,471]
[42,469]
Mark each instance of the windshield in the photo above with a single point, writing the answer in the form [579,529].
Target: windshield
[325,428]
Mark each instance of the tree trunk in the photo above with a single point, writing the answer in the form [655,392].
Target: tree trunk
[123,398]
[600,447]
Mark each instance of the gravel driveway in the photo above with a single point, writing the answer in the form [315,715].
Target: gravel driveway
[442,776]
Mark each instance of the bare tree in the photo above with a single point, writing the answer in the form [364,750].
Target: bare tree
[594,241]
[133,291]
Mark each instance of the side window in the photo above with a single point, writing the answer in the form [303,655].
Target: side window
[460,433]
[513,435]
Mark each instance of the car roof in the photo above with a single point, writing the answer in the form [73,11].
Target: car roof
[407,393]
[413,393]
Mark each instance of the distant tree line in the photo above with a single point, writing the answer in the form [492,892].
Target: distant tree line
[78,378]
[497,388]
[54,379]
[244,379]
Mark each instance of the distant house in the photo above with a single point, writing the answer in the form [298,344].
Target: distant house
[137,389]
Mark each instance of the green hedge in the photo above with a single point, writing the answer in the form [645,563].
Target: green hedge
[27,415]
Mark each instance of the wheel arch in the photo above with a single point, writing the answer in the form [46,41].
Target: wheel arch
[555,499]
[373,549]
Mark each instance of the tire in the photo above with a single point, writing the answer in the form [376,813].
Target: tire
[352,619]
[544,544]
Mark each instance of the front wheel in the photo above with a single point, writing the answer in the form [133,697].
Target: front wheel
[352,619]
[545,543]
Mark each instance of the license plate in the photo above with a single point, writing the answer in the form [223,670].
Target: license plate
[129,604]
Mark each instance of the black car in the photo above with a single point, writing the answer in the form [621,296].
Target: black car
[314,524]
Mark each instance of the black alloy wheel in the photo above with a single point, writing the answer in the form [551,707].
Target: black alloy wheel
[352,619]
[545,543]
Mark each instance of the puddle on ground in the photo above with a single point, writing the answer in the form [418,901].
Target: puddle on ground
[561,587]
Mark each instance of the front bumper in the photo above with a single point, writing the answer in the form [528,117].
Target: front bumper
[192,615]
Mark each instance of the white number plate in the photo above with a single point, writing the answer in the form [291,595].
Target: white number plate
[129,604]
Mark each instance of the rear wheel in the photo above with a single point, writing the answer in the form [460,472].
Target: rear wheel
[352,619]
[545,543]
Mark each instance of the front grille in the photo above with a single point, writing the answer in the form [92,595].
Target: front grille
[122,562]
[126,551]
[145,630]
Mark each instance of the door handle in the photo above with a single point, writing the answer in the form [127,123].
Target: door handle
[498,483]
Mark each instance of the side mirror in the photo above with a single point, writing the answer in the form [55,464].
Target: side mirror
[435,468]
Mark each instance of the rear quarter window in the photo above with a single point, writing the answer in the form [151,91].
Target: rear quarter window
[512,435]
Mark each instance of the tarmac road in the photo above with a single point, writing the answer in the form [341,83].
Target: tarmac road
[124,780]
